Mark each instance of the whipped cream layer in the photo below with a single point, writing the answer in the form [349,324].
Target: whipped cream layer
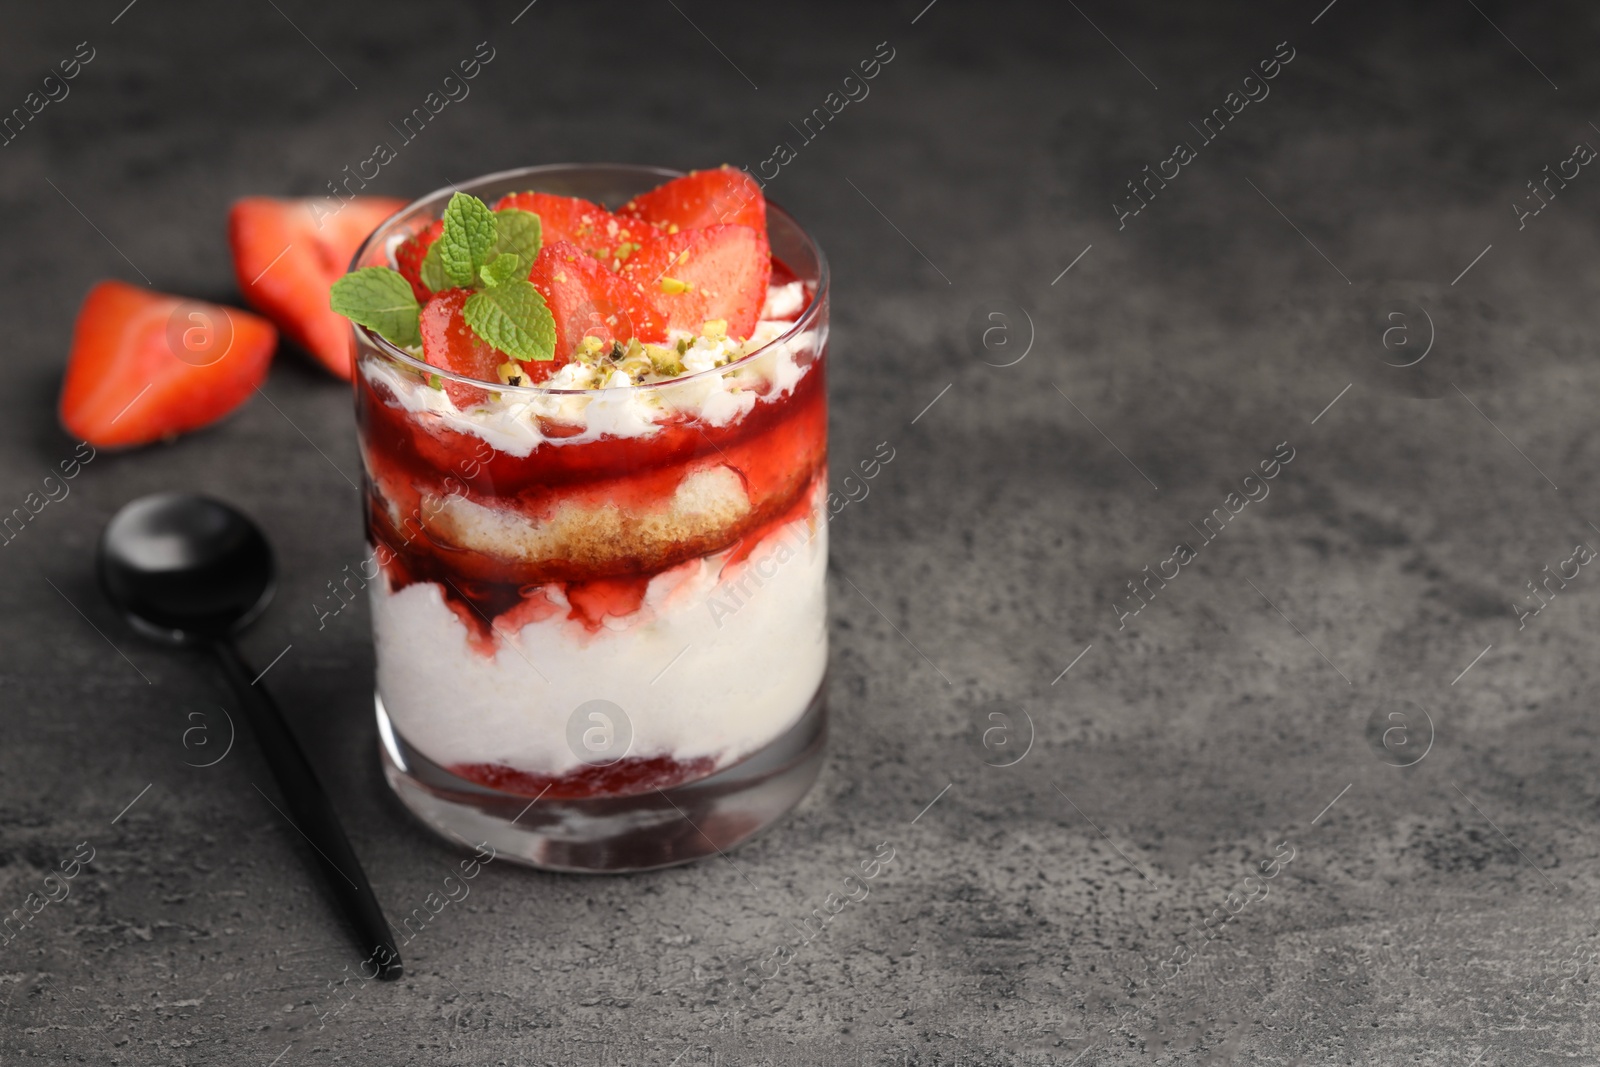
[764,367]
[720,660]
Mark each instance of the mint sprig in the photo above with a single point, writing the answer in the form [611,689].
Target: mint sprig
[487,251]
[380,299]
[509,313]
[469,234]
[513,318]
[432,270]
[518,231]
[501,269]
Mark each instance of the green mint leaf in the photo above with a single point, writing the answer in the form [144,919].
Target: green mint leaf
[432,270]
[467,238]
[518,231]
[513,317]
[380,299]
[501,269]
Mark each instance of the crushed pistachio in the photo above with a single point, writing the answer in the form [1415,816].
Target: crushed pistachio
[673,286]
[590,348]
[509,372]
[672,228]
[435,382]
[716,329]
[663,361]
[616,353]
[683,345]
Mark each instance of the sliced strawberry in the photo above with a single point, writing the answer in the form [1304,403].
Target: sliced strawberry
[288,253]
[589,226]
[449,343]
[702,198]
[693,276]
[146,365]
[410,254]
[586,299]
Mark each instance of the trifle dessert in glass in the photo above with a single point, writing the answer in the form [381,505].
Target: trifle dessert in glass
[593,418]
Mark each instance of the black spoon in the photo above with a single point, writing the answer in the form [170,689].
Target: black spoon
[190,570]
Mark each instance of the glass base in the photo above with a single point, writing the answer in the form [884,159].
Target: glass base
[660,828]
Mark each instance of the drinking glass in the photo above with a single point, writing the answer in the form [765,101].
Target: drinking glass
[599,615]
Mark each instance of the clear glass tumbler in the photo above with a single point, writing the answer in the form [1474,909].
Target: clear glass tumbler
[599,615]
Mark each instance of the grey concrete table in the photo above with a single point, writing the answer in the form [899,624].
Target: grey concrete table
[1316,788]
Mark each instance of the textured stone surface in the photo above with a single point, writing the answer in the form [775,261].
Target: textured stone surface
[1435,913]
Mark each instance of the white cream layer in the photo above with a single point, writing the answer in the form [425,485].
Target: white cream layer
[718,662]
[511,421]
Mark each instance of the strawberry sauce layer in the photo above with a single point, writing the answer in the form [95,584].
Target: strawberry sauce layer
[626,777]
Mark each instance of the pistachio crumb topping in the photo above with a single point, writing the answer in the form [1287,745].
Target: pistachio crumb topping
[664,361]
[673,286]
[605,362]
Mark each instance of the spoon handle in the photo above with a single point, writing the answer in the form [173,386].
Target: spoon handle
[311,813]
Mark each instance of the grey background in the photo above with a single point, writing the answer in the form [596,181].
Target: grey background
[1433,914]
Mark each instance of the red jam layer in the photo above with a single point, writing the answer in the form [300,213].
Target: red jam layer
[626,777]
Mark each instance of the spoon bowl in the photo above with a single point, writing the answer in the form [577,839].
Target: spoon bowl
[185,568]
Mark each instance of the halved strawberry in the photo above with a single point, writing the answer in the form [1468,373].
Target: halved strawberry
[589,226]
[449,343]
[702,198]
[288,253]
[693,276]
[147,365]
[410,254]
[587,299]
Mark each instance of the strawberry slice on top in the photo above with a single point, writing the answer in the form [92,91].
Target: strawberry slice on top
[410,254]
[147,365]
[288,253]
[580,222]
[587,299]
[449,344]
[695,276]
[701,198]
